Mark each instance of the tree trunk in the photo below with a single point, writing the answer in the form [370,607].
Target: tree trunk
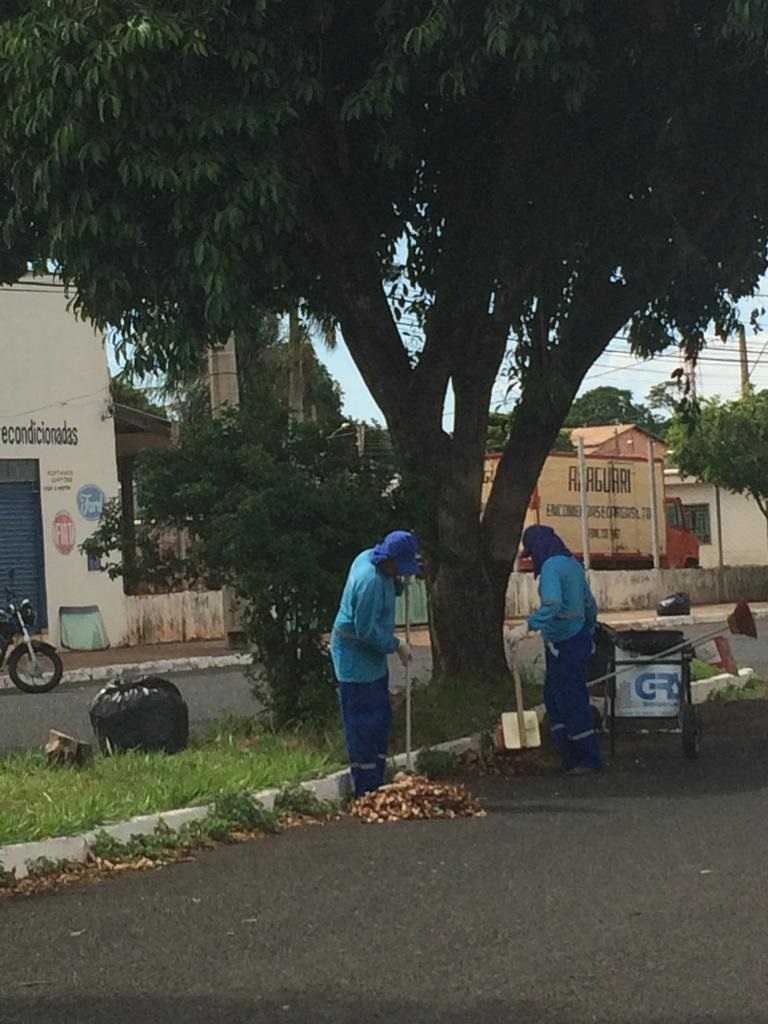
[467,605]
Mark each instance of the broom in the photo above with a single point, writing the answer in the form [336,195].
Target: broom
[741,622]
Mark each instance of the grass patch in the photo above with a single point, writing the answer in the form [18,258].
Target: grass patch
[37,801]
[700,670]
[754,689]
[232,756]
[446,710]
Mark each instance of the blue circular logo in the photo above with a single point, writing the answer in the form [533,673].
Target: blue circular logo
[90,502]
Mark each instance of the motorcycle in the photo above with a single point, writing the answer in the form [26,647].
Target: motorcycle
[34,666]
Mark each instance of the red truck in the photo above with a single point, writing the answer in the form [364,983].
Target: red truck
[620,522]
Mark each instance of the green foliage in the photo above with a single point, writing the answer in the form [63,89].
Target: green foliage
[500,428]
[37,801]
[449,708]
[125,392]
[153,845]
[753,689]
[296,799]
[41,866]
[279,510]
[701,670]
[488,171]
[177,166]
[154,567]
[435,764]
[726,444]
[605,405]
[242,810]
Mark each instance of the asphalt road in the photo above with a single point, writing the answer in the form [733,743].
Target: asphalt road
[635,897]
[26,719]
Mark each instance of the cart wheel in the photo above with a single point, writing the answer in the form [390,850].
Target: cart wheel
[692,729]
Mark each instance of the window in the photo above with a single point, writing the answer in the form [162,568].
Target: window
[674,515]
[698,519]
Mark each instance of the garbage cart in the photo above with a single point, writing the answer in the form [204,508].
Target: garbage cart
[652,680]
[649,678]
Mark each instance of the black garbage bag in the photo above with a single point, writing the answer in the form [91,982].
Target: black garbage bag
[648,641]
[140,714]
[674,604]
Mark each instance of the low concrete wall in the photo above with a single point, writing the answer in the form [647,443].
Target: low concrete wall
[174,618]
[626,590]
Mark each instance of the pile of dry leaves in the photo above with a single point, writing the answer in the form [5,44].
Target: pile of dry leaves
[413,797]
[505,762]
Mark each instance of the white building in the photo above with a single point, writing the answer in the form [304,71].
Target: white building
[57,455]
[731,528]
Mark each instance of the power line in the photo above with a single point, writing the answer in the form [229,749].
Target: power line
[53,405]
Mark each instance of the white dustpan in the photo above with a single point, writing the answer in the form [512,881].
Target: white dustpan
[520,728]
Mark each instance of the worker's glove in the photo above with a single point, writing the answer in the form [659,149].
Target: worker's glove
[514,636]
[404,652]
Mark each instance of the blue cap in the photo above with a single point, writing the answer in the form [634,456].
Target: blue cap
[403,548]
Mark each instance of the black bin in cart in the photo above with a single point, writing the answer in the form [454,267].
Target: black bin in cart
[652,681]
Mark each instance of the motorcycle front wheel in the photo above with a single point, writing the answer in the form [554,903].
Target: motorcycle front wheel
[31,678]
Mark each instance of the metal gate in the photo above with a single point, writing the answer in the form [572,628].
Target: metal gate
[21,533]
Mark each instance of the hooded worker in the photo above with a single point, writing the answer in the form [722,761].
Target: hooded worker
[566,619]
[363,636]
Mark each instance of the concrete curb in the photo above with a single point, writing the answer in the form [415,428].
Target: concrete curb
[166,666]
[673,621]
[702,689]
[21,858]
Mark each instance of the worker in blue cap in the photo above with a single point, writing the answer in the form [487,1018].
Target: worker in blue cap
[363,636]
[566,618]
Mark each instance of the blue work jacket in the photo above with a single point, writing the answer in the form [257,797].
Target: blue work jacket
[566,600]
[364,630]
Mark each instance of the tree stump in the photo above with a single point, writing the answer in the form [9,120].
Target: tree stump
[66,750]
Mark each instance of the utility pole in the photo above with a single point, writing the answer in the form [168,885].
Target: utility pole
[225,392]
[742,333]
[655,540]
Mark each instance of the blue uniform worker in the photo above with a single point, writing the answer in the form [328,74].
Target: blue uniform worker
[363,636]
[566,619]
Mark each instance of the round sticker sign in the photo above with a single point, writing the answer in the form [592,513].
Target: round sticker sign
[63,532]
[90,502]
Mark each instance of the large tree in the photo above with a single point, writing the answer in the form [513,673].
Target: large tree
[499,176]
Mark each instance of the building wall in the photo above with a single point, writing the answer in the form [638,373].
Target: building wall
[641,589]
[744,528]
[55,385]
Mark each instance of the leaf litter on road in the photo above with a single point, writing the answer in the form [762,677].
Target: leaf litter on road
[416,798]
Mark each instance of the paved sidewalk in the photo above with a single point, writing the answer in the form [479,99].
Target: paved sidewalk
[83,666]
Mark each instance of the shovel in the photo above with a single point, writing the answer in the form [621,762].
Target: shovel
[519,728]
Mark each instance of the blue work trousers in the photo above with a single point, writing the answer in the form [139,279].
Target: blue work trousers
[567,701]
[367,716]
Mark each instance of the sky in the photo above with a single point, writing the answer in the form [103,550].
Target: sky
[717,372]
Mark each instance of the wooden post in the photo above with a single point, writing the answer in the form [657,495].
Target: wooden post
[584,505]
